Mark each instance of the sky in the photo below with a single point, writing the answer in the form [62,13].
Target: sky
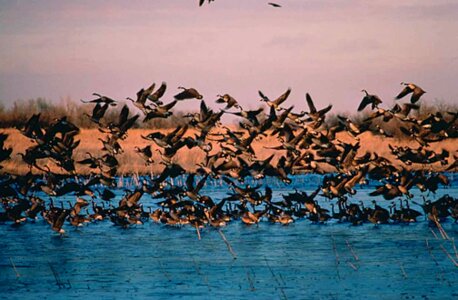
[331,49]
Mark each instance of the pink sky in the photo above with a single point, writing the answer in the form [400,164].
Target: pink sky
[332,49]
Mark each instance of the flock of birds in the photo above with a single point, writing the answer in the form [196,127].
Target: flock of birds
[306,143]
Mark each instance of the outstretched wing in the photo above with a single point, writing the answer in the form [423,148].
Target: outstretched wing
[325,110]
[170,105]
[264,97]
[123,115]
[283,97]
[159,93]
[310,103]
[407,90]
[365,102]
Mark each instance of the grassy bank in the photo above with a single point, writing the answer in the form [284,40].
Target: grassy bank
[131,162]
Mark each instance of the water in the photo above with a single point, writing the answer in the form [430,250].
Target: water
[299,261]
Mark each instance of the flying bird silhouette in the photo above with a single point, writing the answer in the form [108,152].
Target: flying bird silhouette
[416,91]
[201,2]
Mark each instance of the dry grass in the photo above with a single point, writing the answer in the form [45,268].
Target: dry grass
[131,162]
[75,111]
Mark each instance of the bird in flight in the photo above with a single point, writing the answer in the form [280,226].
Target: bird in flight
[274,4]
[416,91]
[201,2]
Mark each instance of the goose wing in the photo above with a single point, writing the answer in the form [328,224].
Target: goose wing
[283,97]
[310,103]
[170,105]
[365,102]
[407,90]
[159,93]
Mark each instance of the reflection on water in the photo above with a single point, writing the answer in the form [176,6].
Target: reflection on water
[299,261]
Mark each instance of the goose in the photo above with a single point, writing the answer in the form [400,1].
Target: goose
[156,215]
[280,216]
[119,129]
[149,94]
[171,170]
[32,128]
[37,206]
[275,103]
[409,215]
[99,213]
[192,191]
[340,215]
[78,220]
[379,215]
[373,100]
[201,2]
[158,94]
[386,115]
[277,122]
[395,214]
[98,112]
[249,115]
[111,145]
[106,195]
[351,128]
[15,213]
[59,220]
[132,199]
[146,154]
[215,215]
[354,213]
[416,133]
[250,218]
[142,96]
[416,91]
[317,116]
[101,99]
[390,191]
[188,93]
[229,100]
[402,112]
[76,208]
[5,153]
[160,111]
[91,162]
[432,182]
[159,139]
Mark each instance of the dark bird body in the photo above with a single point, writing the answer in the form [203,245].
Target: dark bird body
[416,91]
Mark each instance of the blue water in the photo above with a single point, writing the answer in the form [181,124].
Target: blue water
[299,261]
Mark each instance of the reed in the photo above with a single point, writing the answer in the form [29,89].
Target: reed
[336,254]
[404,274]
[229,247]
[14,268]
[351,250]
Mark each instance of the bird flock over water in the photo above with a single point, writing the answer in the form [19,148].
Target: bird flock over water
[306,143]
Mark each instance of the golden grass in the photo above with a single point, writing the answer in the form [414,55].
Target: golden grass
[131,162]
